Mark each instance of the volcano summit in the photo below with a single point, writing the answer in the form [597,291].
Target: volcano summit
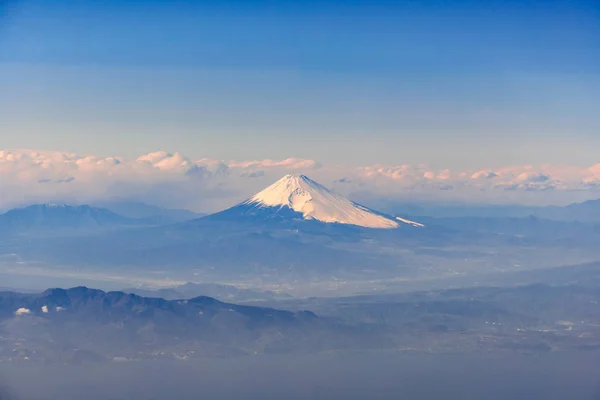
[296,197]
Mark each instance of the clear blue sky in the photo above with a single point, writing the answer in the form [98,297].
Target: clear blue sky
[449,83]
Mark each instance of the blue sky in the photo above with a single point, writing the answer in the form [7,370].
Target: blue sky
[449,83]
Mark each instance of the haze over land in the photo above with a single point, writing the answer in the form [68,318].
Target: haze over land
[275,199]
[384,282]
[354,376]
[294,231]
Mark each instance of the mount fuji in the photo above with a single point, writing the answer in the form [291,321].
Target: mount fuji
[296,198]
[293,229]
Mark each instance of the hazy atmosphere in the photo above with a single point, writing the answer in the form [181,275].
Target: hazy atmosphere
[298,199]
[348,377]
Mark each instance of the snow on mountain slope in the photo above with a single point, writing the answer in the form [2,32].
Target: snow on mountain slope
[409,222]
[314,201]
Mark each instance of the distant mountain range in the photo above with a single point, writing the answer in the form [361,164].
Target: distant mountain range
[87,324]
[143,211]
[93,302]
[293,230]
[586,212]
[80,324]
[58,217]
[523,227]
[295,227]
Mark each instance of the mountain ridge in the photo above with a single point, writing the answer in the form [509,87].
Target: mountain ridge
[296,197]
[146,211]
[83,298]
[58,216]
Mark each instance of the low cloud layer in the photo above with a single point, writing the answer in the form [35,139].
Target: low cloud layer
[173,180]
[521,177]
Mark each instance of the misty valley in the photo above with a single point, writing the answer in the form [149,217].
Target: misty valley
[294,269]
[298,199]
[81,325]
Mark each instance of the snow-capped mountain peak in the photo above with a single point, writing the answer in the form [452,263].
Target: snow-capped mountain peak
[314,201]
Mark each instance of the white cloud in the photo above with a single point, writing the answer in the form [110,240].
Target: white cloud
[484,174]
[525,177]
[45,309]
[289,163]
[174,180]
[22,311]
